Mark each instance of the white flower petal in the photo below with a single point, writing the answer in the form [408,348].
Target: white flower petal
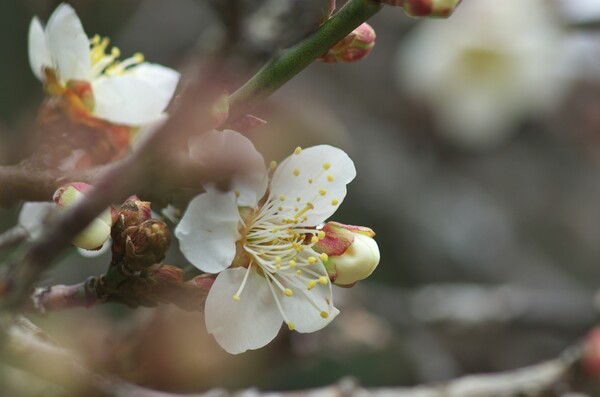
[249,323]
[32,217]
[318,175]
[39,55]
[229,152]
[127,100]
[68,44]
[309,310]
[208,231]
[162,78]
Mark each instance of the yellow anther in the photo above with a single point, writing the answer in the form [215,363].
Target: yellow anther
[96,39]
[278,259]
[310,205]
[236,297]
[296,209]
[291,325]
[323,280]
[312,260]
[330,178]
[273,165]
[138,57]
[296,172]
[292,263]
[298,198]
[321,235]
[326,166]
[278,266]
[298,150]
[275,229]
[314,239]
[334,202]
[281,197]
[115,52]
[324,314]
[324,257]
[288,292]
[280,208]
[322,192]
[298,272]
[310,180]
[311,284]
[237,193]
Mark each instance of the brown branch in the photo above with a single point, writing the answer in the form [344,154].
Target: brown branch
[28,348]
[12,237]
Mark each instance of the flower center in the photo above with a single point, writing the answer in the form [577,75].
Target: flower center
[107,64]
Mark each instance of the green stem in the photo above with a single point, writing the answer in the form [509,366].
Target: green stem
[291,61]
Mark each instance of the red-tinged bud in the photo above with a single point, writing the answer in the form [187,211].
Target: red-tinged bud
[247,123]
[354,47]
[165,281]
[194,292]
[426,8]
[352,253]
[98,231]
[591,353]
[146,244]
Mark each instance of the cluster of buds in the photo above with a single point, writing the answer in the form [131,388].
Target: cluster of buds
[354,47]
[426,8]
[138,241]
[352,253]
[98,231]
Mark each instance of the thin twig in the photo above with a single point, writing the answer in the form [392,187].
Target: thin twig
[13,237]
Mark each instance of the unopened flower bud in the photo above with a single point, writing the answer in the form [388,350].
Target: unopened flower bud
[352,253]
[146,244]
[426,8]
[354,47]
[132,213]
[98,231]
[166,282]
[192,295]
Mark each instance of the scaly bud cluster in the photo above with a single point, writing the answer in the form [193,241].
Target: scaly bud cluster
[354,47]
[352,252]
[138,241]
[426,8]
[146,244]
[98,231]
[132,213]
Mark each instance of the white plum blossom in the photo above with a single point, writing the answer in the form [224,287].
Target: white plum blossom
[485,69]
[129,92]
[260,237]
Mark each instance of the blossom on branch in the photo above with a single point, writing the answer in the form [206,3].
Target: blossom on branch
[129,92]
[260,238]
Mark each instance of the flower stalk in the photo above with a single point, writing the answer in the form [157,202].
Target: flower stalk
[291,61]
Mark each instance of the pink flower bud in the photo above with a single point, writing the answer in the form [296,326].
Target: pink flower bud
[352,253]
[426,8]
[354,47]
[98,231]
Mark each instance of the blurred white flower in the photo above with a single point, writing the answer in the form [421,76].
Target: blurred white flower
[130,92]
[275,275]
[486,68]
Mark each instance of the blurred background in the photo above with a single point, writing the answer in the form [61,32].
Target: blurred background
[477,145]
